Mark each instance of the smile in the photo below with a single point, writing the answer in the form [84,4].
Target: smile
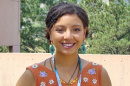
[68,45]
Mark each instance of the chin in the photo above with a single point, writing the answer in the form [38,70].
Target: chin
[69,53]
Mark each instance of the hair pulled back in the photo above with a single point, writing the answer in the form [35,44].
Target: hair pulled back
[61,9]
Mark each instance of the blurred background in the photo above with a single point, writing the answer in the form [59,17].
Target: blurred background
[109,27]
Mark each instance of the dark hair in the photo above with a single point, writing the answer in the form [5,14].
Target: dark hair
[62,9]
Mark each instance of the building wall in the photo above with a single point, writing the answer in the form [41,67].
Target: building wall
[9,22]
[13,65]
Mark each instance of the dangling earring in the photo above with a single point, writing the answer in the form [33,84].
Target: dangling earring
[83,48]
[52,49]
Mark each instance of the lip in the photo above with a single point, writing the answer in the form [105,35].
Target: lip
[67,47]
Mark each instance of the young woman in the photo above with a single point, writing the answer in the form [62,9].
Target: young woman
[67,28]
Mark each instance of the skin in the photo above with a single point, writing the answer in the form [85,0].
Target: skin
[67,30]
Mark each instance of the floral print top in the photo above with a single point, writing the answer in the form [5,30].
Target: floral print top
[90,76]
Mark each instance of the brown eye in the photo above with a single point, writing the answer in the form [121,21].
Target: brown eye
[59,29]
[76,29]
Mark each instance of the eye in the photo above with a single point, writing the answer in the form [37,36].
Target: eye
[76,29]
[59,29]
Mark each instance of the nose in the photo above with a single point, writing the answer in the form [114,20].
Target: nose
[68,35]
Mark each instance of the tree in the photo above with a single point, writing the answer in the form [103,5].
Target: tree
[109,30]
[32,39]
[4,49]
[33,24]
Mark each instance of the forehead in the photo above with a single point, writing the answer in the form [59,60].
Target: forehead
[69,19]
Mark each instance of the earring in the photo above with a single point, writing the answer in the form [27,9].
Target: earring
[52,49]
[83,48]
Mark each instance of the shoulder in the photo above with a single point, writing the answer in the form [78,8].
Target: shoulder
[105,78]
[30,76]
[84,63]
[27,79]
[87,64]
[92,72]
[47,63]
[101,73]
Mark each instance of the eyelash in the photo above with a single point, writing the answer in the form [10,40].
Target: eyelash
[76,29]
[60,29]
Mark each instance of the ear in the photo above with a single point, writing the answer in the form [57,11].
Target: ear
[85,33]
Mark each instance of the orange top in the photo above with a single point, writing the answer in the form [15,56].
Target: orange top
[90,76]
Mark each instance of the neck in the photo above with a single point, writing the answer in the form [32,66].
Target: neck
[66,60]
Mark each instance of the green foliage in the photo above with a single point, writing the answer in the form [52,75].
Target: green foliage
[32,19]
[109,30]
[33,23]
[4,49]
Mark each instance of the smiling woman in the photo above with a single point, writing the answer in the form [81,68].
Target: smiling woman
[68,34]
[67,28]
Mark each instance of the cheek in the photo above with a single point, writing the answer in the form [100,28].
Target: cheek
[80,35]
[57,36]
[79,38]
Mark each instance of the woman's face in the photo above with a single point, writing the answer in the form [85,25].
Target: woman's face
[68,34]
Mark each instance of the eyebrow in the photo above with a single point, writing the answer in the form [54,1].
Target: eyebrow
[64,26]
[77,25]
[59,26]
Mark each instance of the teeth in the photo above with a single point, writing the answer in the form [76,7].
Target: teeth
[68,44]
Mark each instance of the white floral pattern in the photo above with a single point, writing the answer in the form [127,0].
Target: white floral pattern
[51,81]
[95,64]
[43,84]
[34,66]
[94,81]
[85,79]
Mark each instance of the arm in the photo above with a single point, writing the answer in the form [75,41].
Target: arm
[27,79]
[105,78]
